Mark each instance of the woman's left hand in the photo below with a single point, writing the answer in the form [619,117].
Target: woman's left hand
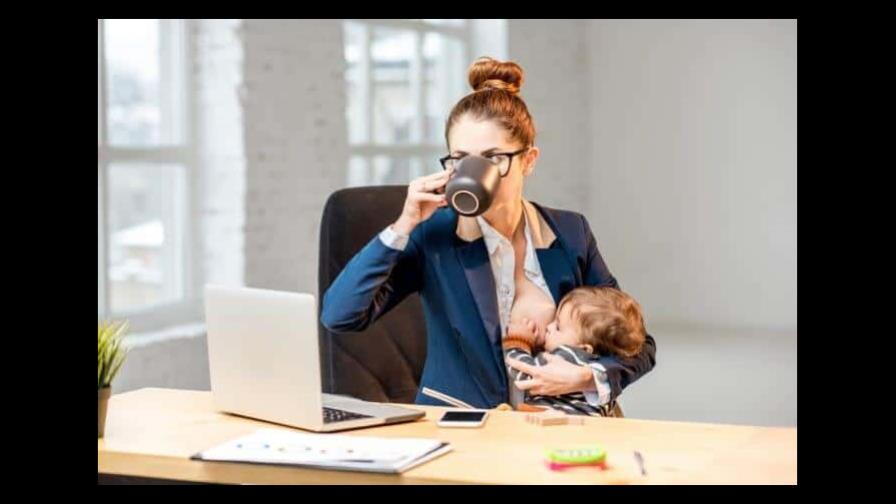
[557,377]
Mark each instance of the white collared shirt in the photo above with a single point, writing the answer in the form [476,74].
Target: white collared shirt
[502,258]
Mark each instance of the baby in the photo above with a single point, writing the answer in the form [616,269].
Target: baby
[589,322]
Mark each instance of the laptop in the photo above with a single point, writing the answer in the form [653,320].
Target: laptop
[264,363]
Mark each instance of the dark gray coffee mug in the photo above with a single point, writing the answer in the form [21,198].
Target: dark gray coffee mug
[472,187]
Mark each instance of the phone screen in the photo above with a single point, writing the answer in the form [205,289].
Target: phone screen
[463,416]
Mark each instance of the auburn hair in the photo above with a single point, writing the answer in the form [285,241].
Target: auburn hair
[608,319]
[495,97]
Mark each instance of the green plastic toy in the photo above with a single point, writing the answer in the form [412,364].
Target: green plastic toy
[564,457]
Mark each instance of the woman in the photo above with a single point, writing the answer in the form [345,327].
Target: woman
[476,275]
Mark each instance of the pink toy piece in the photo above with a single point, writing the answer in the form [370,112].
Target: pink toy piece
[557,466]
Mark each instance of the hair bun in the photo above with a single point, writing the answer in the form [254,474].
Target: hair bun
[489,73]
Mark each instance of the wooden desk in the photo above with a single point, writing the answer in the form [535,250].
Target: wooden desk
[153,432]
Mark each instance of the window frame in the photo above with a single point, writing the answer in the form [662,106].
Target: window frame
[186,309]
[417,147]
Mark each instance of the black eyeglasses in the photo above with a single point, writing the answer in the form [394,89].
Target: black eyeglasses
[502,159]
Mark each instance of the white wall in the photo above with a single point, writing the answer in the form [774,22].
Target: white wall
[173,358]
[489,38]
[272,146]
[217,77]
[677,139]
[693,167]
[294,128]
[553,56]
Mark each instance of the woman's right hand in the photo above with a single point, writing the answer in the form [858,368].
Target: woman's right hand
[425,196]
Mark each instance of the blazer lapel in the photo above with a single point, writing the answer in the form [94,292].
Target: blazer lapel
[555,268]
[560,272]
[473,256]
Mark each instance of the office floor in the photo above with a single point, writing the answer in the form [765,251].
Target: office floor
[736,377]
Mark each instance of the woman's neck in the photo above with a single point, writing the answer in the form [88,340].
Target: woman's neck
[505,218]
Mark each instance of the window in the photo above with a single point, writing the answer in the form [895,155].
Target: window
[144,171]
[402,78]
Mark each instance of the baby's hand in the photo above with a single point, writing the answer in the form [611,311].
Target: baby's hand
[520,335]
[525,328]
[539,339]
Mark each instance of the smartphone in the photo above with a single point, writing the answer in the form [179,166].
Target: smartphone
[463,418]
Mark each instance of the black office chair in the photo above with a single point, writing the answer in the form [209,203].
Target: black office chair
[384,362]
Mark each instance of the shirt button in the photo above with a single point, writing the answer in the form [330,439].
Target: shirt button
[505,290]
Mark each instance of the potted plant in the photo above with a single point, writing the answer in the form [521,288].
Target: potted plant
[111,356]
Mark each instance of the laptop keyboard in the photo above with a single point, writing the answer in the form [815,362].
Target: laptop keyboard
[337,415]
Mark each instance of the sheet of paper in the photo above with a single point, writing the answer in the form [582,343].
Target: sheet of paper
[272,446]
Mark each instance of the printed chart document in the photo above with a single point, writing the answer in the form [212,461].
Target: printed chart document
[327,451]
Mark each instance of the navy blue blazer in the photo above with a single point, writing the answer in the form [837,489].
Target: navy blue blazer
[450,269]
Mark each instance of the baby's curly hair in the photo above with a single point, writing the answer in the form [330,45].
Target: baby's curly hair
[608,319]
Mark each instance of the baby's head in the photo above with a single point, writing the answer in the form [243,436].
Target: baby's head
[602,320]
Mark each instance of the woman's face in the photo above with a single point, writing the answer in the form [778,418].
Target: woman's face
[469,136]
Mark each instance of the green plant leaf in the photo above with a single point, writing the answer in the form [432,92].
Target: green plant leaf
[115,367]
[111,352]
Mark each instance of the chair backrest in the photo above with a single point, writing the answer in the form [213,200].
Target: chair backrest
[384,362]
